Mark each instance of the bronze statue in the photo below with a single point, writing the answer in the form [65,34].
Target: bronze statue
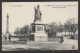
[37,13]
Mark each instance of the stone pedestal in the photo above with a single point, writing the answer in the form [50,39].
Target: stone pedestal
[38,32]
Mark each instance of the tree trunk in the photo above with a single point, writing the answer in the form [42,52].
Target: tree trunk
[65,32]
[69,33]
[72,36]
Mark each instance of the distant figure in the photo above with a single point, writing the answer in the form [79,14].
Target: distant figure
[61,40]
[5,38]
[9,37]
[73,47]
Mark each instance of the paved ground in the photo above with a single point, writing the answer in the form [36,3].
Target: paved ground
[68,44]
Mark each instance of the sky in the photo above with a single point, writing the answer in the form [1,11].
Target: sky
[22,13]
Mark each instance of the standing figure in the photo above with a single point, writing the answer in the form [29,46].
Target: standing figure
[9,37]
[37,13]
[5,38]
[61,40]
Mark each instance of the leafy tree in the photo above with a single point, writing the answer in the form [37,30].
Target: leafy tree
[71,26]
[46,28]
[52,29]
[60,28]
[22,30]
[17,31]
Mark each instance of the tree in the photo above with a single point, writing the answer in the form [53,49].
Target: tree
[23,30]
[52,29]
[74,28]
[46,28]
[17,31]
[60,28]
[67,27]
[71,26]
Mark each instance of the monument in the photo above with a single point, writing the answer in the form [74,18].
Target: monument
[7,27]
[38,31]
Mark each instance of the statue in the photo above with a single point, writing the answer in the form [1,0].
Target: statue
[38,27]
[37,13]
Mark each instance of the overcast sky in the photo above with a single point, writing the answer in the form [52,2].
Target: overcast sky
[22,13]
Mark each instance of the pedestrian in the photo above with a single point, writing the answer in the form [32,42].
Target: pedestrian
[73,47]
[5,38]
[61,39]
[9,37]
